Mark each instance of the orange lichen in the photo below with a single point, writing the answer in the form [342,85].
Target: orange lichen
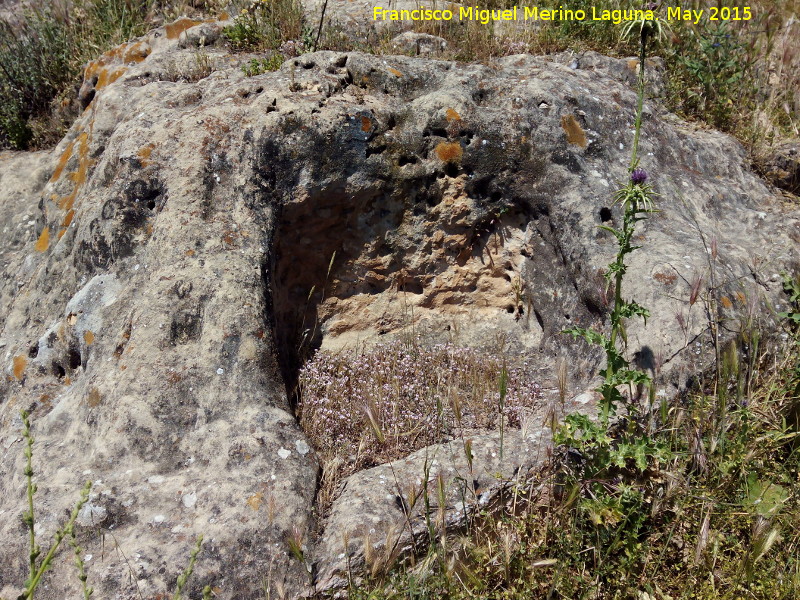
[574,131]
[451,115]
[106,77]
[255,500]
[136,53]
[394,72]
[726,302]
[68,218]
[223,16]
[60,233]
[20,362]
[366,124]
[174,30]
[741,297]
[43,243]
[449,151]
[78,177]
[189,252]
[144,154]
[88,337]
[94,399]
[62,161]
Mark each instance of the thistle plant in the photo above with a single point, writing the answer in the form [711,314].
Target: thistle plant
[636,201]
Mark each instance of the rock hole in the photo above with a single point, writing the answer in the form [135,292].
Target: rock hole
[33,351]
[539,319]
[510,308]
[406,160]
[605,214]
[436,132]
[58,370]
[391,122]
[451,170]
[479,96]
[73,358]
[433,200]
[380,149]
[495,195]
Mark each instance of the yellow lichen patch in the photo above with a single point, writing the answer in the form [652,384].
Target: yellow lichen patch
[223,16]
[574,131]
[43,243]
[88,337]
[255,500]
[60,233]
[174,30]
[395,72]
[144,154]
[20,362]
[726,302]
[62,161]
[741,297]
[136,53]
[68,218]
[94,399]
[78,177]
[633,64]
[366,124]
[106,77]
[451,115]
[449,151]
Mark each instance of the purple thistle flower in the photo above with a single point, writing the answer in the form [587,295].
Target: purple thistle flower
[638,176]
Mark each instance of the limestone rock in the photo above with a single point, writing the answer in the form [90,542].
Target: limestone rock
[165,266]
[419,43]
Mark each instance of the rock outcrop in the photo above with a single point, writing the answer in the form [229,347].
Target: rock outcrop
[162,265]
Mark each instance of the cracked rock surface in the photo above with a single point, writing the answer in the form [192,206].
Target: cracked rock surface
[158,268]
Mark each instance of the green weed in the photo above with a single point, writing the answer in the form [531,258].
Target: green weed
[37,568]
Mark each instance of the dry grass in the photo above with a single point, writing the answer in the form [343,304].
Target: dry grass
[717,520]
[371,406]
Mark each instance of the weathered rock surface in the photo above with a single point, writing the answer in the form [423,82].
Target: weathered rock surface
[188,233]
[782,167]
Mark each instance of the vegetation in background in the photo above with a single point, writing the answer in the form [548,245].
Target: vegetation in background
[742,77]
[266,24]
[43,51]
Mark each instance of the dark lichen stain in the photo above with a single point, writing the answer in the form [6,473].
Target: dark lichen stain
[575,133]
[186,326]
